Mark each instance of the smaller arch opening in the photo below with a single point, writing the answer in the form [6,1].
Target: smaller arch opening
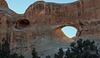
[69,31]
[23,23]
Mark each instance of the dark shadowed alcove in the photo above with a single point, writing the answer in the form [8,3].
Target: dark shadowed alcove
[23,23]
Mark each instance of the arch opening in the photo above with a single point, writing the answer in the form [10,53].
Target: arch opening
[69,31]
[23,23]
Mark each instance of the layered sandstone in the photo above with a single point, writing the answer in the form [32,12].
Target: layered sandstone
[40,26]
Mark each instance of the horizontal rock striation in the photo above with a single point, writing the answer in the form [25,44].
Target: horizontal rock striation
[40,26]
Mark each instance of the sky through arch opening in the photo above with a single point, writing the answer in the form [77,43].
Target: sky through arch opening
[69,31]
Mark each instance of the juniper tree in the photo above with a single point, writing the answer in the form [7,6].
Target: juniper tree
[48,56]
[60,53]
[34,54]
[84,49]
[4,49]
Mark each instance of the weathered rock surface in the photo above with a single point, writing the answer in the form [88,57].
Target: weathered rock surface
[3,3]
[40,26]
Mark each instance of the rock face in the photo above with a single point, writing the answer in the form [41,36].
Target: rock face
[3,3]
[40,26]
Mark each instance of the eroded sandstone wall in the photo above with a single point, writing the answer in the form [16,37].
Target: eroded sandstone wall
[82,15]
[40,26]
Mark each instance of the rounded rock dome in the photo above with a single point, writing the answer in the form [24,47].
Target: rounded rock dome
[3,3]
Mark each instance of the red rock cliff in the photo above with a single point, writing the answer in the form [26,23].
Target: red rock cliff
[40,26]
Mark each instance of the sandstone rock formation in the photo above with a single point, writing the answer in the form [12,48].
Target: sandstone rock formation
[3,3]
[40,26]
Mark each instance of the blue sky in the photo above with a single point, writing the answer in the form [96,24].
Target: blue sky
[19,6]
[69,31]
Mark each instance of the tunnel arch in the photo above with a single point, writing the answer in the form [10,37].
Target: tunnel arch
[23,23]
[69,31]
[59,34]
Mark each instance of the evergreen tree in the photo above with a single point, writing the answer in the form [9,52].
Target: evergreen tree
[34,54]
[48,56]
[56,56]
[69,54]
[21,56]
[84,49]
[5,51]
[80,49]
[60,53]
[15,56]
